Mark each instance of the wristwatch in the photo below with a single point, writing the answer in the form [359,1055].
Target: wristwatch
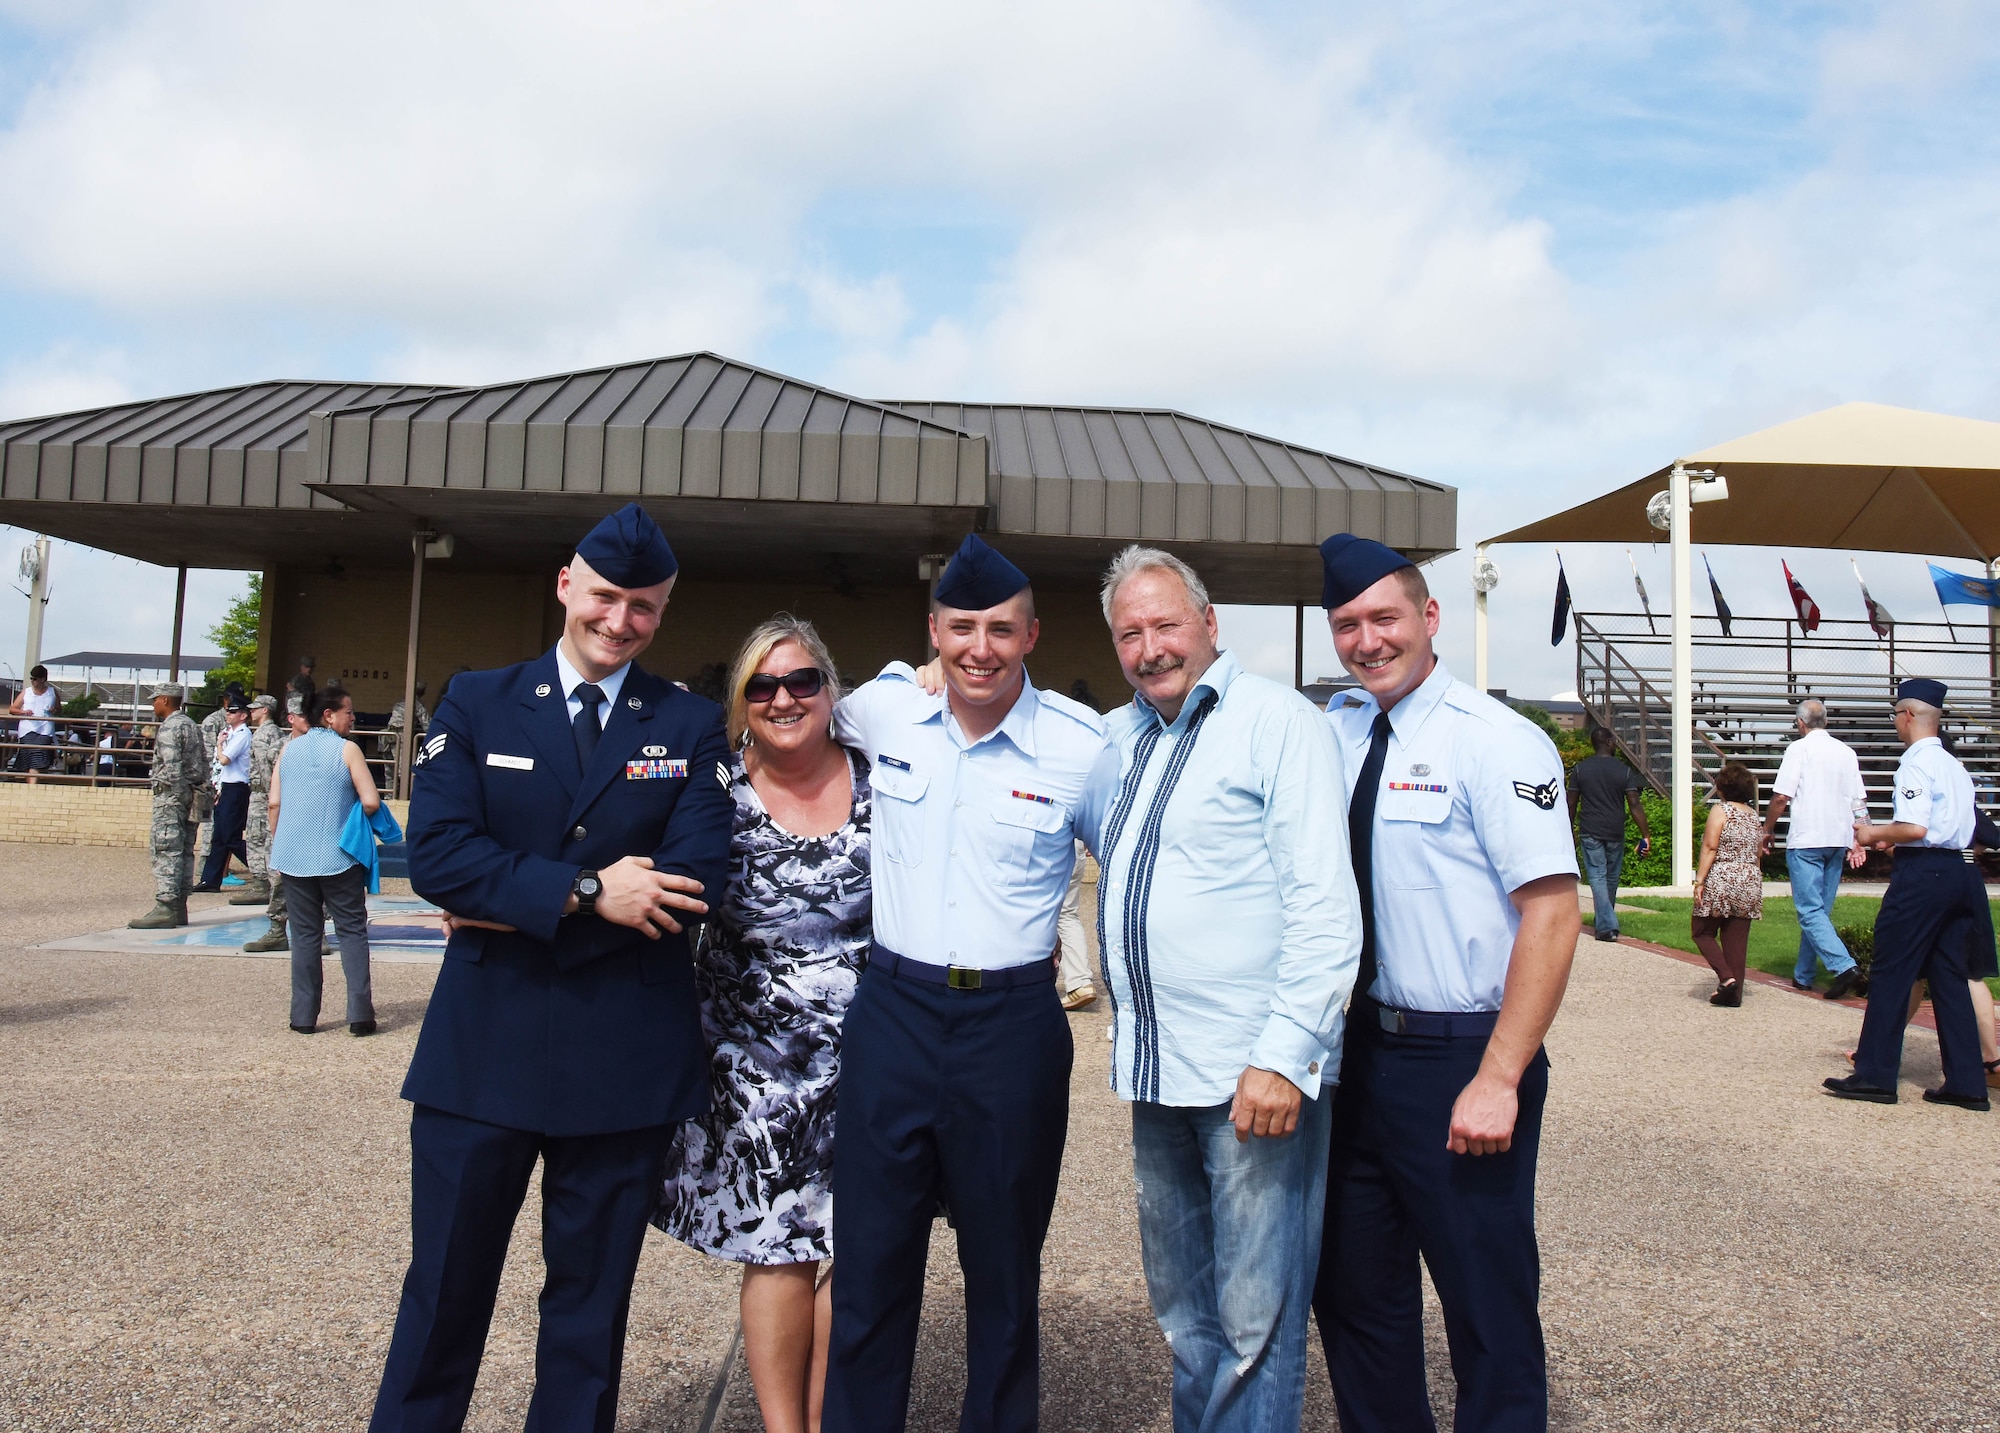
[586,888]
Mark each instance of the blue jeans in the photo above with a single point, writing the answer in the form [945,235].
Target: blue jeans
[1815,873]
[1231,1234]
[1604,863]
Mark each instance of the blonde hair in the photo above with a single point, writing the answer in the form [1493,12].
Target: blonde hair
[756,647]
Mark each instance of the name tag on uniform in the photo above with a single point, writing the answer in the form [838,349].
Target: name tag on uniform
[654,770]
[512,763]
[895,761]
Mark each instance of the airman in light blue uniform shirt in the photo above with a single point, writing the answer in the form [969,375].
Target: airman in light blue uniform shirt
[1471,808]
[974,841]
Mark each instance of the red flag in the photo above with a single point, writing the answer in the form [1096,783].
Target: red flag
[1808,609]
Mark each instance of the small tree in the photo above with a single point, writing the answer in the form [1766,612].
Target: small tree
[235,639]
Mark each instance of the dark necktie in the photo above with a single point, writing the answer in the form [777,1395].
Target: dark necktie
[587,727]
[1361,841]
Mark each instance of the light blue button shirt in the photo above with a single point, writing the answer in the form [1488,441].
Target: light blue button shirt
[1470,809]
[571,679]
[974,840]
[1227,914]
[233,765]
[1934,792]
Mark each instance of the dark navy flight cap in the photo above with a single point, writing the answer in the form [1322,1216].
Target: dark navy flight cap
[628,549]
[1353,565]
[978,577]
[1922,689]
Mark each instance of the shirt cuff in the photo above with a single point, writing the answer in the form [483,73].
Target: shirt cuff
[1288,1049]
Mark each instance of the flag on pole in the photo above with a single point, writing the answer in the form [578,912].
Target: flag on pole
[1878,615]
[1722,612]
[1955,587]
[1644,601]
[1560,627]
[1807,609]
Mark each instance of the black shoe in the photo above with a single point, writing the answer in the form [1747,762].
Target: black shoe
[362,1027]
[306,1029]
[1610,937]
[1849,1087]
[1942,1096]
[1844,983]
[1803,985]
[204,890]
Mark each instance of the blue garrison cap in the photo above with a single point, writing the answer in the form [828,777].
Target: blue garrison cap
[978,577]
[1353,565]
[1922,689]
[628,549]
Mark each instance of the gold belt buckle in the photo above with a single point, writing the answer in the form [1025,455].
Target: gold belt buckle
[962,977]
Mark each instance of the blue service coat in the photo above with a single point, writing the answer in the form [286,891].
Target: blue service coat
[567,1025]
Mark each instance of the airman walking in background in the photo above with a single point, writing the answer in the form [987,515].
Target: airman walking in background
[265,749]
[267,735]
[180,772]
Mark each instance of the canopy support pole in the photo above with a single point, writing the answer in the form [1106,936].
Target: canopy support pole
[1992,641]
[38,606]
[1299,647]
[1479,674]
[406,739]
[180,611]
[1680,857]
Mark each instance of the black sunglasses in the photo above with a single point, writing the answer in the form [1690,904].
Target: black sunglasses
[803,683]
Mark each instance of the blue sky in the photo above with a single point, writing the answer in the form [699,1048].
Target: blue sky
[1534,250]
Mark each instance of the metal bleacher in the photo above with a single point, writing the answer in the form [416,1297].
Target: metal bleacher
[1747,687]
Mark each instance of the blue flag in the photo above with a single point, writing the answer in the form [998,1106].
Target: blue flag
[1953,587]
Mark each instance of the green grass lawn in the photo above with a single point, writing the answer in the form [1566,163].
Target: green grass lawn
[1774,940]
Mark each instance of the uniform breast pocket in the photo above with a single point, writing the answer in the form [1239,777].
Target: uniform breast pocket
[899,814]
[1029,834]
[1411,822]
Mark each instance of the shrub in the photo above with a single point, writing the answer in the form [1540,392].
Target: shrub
[1860,943]
[82,706]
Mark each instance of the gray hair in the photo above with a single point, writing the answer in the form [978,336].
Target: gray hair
[1812,714]
[1135,559]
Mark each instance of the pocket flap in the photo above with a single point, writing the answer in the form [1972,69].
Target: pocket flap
[468,943]
[901,784]
[1035,815]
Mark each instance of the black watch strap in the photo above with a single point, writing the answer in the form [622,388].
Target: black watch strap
[586,888]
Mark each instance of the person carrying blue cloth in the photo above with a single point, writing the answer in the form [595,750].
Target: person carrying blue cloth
[570,814]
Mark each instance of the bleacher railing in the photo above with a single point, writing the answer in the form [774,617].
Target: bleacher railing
[115,751]
[1747,686]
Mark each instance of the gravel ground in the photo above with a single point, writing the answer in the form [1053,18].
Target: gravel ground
[202,1215]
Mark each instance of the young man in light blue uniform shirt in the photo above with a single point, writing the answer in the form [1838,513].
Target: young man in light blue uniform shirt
[955,1055]
[1467,875]
[1230,931]
[1934,923]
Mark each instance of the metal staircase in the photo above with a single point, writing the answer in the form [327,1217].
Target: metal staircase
[1747,687]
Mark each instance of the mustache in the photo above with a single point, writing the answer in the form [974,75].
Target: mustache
[1159,665]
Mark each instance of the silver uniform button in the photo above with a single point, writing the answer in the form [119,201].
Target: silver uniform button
[578,834]
[633,702]
[542,690]
[1313,1068]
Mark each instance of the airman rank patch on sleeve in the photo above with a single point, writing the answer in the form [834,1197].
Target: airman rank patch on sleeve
[1543,796]
[430,748]
[657,770]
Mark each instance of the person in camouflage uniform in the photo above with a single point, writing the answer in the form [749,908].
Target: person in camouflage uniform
[266,886]
[391,732]
[180,772]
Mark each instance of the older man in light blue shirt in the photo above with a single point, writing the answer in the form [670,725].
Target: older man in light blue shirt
[1230,929]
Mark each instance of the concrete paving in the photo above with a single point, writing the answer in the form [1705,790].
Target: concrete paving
[203,1215]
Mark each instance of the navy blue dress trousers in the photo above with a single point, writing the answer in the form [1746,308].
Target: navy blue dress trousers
[568,1039]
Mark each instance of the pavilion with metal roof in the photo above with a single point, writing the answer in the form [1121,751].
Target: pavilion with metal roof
[768,485]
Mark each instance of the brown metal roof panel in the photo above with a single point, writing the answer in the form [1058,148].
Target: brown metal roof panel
[1399,518]
[1318,471]
[652,382]
[688,393]
[1298,516]
[1233,448]
[937,468]
[225,477]
[819,462]
[425,464]
[348,449]
[583,458]
[20,471]
[1007,441]
[1355,510]
[1015,510]
[389,452]
[898,460]
[742,462]
[861,455]
[660,462]
[1261,504]
[725,390]
[752,411]
[465,454]
[828,414]
[1279,460]
[260,480]
[91,481]
[122,474]
[1045,449]
[778,464]
[1437,519]
[189,474]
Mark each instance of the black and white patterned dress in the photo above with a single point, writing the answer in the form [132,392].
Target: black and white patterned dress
[751,1180]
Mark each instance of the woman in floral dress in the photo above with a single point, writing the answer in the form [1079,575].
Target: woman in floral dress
[1729,887]
[751,1181]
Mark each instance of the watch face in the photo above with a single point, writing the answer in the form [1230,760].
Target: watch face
[588,886]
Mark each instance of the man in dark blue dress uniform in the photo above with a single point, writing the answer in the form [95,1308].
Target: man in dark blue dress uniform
[569,813]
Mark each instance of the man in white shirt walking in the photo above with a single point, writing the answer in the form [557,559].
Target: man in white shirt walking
[38,701]
[1819,783]
[1231,932]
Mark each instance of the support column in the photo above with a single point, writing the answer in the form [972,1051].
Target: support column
[1992,644]
[406,739]
[180,611]
[1299,648]
[1680,860]
[1479,673]
[38,603]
